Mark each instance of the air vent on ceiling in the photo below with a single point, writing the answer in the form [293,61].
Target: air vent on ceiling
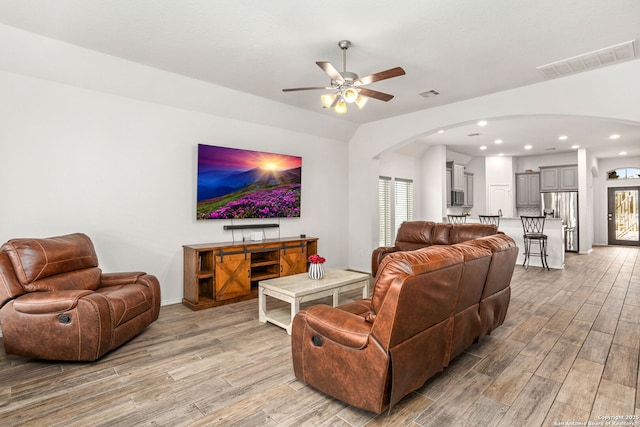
[429,93]
[474,134]
[598,58]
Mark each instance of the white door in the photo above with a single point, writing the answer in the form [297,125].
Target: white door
[499,200]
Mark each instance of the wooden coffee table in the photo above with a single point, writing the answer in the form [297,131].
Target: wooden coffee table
[298,288]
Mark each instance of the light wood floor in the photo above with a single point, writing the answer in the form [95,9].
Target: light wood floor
[568,352]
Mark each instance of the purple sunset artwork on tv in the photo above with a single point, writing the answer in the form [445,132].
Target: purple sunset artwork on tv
[235,183]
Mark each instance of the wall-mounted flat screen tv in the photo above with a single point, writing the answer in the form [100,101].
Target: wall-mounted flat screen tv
[235,183]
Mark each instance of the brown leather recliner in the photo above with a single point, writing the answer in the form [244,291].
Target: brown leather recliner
[427,307]
[58,305]
[414,235]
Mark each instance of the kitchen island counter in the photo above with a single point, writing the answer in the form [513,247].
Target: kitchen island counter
[553,228]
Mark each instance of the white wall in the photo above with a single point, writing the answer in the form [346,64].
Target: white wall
[399,166]
[453,156]
[434,201]
[123,170]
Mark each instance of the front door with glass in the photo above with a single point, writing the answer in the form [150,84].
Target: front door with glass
[622,216]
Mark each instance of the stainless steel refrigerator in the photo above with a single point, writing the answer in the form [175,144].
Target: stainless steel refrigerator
[563,205]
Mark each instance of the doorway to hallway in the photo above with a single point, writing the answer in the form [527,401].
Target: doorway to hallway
[622,216]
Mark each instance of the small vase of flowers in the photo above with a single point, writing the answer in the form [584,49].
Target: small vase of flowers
[316,268]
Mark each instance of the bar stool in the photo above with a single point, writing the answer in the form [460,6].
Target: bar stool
[533,227]
[490,219]
[457,219]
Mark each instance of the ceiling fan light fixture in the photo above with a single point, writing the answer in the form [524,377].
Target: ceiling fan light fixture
[327,99]
[350,95]
[341,107]
[361,101]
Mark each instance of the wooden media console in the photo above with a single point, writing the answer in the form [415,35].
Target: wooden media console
[223,273]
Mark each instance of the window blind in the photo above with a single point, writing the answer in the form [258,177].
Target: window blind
[384,210]
[403,201]
[395,205]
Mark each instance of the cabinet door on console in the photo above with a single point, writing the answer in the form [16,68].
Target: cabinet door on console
[293,261]
[233,276]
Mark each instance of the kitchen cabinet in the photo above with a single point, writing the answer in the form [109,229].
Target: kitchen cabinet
[527,190]
[559,178]
[458,181]
[568,178]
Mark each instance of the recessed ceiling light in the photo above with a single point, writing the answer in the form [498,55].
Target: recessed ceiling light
[483,147]
[500,154]
[498,141]
[623,153]
[482,123]
[614,136]
[563,137]
[575,147]
[528,147]
[441,131]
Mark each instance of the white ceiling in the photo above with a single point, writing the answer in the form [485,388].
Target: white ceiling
[462,49]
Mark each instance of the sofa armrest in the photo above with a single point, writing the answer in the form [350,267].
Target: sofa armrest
[138,278]
[340,326]
[118,279]
[49,302]
[378,254]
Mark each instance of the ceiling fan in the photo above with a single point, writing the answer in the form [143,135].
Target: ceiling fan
[347,87]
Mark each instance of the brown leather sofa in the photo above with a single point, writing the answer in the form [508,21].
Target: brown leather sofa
[428,305]
[414,235]
[58,305]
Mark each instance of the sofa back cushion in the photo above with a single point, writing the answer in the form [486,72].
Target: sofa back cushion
[87,279]
[503,260]
[418,299]
[463,232]
[57,263]
[440,235]
[477,260]
[392,268]
[398,265]
[414,235]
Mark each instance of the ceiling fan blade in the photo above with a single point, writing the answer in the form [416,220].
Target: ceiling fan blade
[382,75]
[307,88]
[331,71]
[375,94]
